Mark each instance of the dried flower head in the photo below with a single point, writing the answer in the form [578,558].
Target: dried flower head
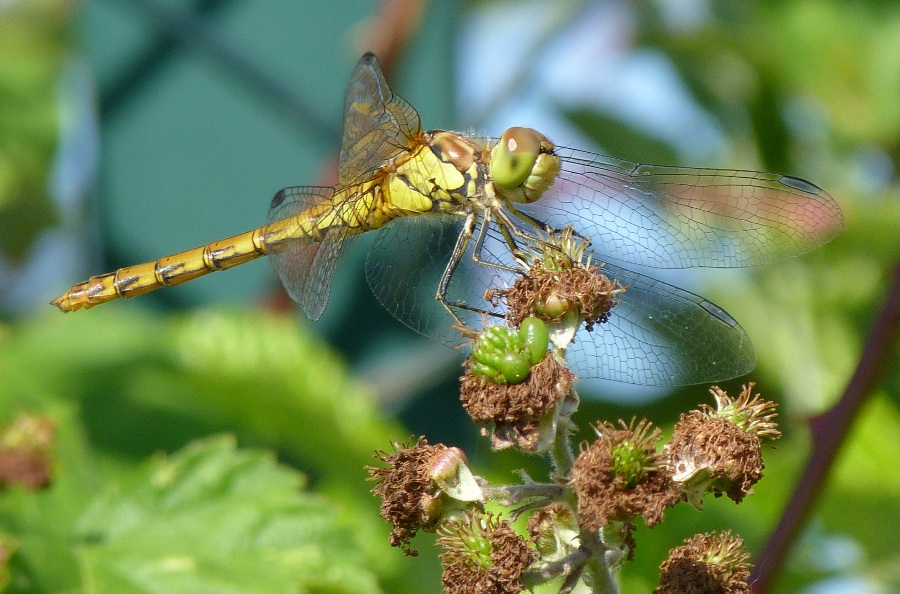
[719,450]
[527,414]
[420,485]
[621,476]
[707,563]
[561,287]
[26,452]
[483,555]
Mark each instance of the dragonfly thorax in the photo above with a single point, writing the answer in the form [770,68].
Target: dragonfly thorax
[454,149]
[448,171]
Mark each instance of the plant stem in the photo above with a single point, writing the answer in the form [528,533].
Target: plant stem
[598,572]
[828,432]
[515,494]
[561,454]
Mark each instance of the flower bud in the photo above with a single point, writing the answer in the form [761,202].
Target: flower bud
[506,356]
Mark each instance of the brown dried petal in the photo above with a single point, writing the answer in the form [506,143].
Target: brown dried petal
[584,289]
[518,412]
[706,564]
[510,555]
[410,498]
[32,470]
[713,447]
[603,495]
[26,452]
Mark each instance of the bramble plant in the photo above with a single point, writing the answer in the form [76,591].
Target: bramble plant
[581,521]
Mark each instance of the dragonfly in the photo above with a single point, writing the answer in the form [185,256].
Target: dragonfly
[453,212]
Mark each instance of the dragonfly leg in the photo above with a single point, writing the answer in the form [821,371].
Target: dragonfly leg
[479,245]
[539,224]
[534,222]
[510,231]
[509,226]
[462,242]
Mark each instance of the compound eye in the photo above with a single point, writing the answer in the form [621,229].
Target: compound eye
[514,156]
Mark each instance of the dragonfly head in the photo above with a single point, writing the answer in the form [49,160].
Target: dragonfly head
[523,164]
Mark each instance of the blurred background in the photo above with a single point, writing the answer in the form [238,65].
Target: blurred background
[132,129]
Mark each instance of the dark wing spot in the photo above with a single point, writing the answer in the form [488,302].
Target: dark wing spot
[719,313]
[278,199]
[799,184]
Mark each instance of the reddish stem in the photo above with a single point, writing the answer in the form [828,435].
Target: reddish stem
[828,432]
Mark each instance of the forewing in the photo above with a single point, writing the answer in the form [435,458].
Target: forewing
[679,217]
[378,125]
[305,264]
[660,335]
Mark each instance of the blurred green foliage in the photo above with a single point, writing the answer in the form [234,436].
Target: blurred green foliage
[805,86]
[210,517]
[841,56]
[122,387]
[33,43]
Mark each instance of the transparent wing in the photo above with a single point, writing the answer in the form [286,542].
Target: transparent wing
[378,125]
[305,264]
[658,334]
[679,217]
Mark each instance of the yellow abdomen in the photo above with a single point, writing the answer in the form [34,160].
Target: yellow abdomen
[418,181]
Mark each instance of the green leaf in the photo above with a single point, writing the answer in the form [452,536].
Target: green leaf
[214,519]
[121,385]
